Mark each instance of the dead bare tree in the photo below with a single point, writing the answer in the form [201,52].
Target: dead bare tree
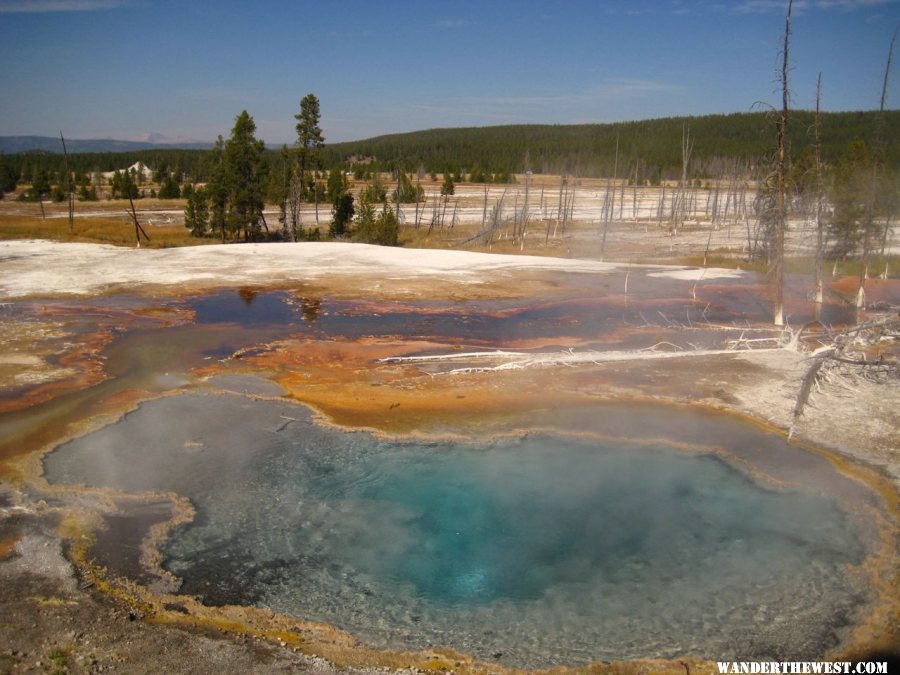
[490,226]
[496,218]
[609,202]
[848,356]
[418,192]
[523,223]
[484,208]
[295,197]
[780,214]
[316,199]
[634,192]
[443,212]
[70,192]
[820,225]
[570,211]
[661,207]
[562,184]
[679,202]
[138,230]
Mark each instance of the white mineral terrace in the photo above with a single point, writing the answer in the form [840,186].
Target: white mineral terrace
[45,268]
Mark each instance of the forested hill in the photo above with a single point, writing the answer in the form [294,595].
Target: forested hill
[720,146]
[654,147]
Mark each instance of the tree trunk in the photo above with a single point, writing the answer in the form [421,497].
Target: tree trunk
[559,207]
[138,230]
[316,200]
[820,226]
[781,178]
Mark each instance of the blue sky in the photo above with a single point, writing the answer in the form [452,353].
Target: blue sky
[186,68]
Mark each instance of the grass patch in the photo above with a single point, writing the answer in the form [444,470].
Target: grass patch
[797,264]
[877,265]
[59,659]
[104,230]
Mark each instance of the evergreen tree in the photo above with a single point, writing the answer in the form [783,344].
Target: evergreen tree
[375,192]
[387,227]
[337,185]
[217,189]
[8,178]
[342,210]
[40,185]
[407,193]
[478,175]
[196,213]
[851,196]
[87,194]
[342,215]
[365,217]
[309,137]
[169,188]
[447,188]
[373,227]
[161,173]
[244,178]
[123,186]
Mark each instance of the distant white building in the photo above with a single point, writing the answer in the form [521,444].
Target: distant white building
[138,169]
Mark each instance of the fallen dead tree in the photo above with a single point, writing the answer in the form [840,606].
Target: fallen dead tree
[504,360]
[867,351]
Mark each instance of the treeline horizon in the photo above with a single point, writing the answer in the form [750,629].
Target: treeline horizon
[646,151]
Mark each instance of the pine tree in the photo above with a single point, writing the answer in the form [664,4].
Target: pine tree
[407,193]
[244,174]
[169,188]
[309,137]
[851,195]
[337,185]
[40,184]
[217,189]
[8,177]
[196,213]
[341,204]
[447,188]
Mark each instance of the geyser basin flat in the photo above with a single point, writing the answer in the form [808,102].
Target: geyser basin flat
[544,548]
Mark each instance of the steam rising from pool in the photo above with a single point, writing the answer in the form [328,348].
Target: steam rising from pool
[542,549]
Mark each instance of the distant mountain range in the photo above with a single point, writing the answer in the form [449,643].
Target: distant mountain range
[14,144]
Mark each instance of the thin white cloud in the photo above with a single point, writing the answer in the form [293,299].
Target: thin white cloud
[850,4]
[46,6]
[780,6]
[511,108]
[451,23]
[765,6]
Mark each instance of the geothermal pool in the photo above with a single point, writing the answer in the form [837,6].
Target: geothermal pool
[532,549]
